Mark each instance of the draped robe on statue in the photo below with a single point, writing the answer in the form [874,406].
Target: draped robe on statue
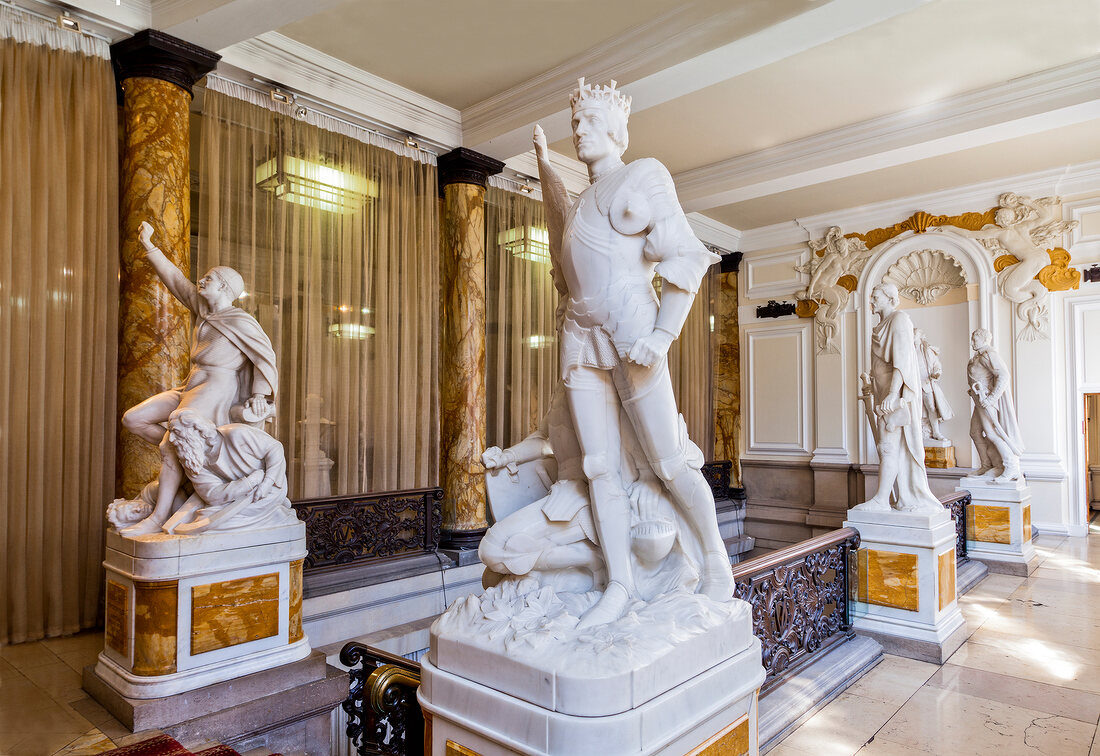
[892,349]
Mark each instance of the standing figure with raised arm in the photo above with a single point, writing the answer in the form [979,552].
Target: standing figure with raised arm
[896,394]
[606,247]
[232,369]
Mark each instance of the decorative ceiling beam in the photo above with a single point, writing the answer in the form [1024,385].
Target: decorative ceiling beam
[501,125]
[1031,104]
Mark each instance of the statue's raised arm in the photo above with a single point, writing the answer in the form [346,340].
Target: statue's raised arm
[177,283]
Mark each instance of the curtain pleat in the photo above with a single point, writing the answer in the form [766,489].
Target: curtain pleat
[689,364]
[521,349]
[58,325]
[338,244]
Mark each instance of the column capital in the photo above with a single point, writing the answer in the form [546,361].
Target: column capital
[730,262]
[463,166]
[161,56]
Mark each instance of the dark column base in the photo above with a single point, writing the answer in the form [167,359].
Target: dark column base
[461,545]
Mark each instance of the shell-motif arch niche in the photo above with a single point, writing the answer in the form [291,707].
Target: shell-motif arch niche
[925,267]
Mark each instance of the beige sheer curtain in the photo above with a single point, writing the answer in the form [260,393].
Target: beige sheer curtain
[521,351]
[338,243]
[58,324]
[689,364]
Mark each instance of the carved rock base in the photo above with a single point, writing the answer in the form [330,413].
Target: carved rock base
[998,525]
[939,456]
[905,595]
[712,712]
[184,612]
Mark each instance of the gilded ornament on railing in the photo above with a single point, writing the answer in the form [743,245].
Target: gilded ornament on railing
[384,716]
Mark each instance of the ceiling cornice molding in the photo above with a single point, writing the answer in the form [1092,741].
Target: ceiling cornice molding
[501,125]
[280,59]
[711,231]
[1066,180]
[1030,104]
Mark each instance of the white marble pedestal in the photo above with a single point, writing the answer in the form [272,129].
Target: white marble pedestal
[906,594]
[998,525]
[639,686]
[184,612]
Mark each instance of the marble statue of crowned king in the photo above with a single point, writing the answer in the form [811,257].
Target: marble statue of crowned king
[614,571]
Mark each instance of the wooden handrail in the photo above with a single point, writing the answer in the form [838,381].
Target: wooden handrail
[792,553]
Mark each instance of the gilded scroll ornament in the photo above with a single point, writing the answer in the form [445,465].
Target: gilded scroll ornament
[920,222]
[1058,276]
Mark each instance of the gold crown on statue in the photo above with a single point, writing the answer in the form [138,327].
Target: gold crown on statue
[607,96]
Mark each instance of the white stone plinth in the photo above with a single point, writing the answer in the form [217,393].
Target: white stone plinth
[906,596]
[998,525]
[184,612]
[718,703]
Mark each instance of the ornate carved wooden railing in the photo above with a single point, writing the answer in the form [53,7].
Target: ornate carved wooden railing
[957,503]
[799,598]
[351,530]
[384,716]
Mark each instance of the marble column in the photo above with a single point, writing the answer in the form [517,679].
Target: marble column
[155,73]
[726,380]
[462,178]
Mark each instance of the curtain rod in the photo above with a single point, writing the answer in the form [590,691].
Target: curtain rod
[326,109]
[53,19]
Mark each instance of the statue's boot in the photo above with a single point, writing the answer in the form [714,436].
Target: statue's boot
[1009,473]
[692,492]
[609,608]
[151,524]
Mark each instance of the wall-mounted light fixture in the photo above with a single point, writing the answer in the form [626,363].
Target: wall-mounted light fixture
[527,243]
[315,184]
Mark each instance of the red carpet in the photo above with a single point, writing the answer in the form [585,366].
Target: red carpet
[163,745]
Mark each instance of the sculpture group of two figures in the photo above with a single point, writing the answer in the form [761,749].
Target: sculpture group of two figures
[905,406]
[220,470]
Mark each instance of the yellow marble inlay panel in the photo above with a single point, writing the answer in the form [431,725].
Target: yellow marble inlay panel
[454,749]
[889,578]
[116,620]
[946,578]
[988,524]
[732,741]
[234,611]
[1026,516]
[155,607]
[295,633]
[462,357]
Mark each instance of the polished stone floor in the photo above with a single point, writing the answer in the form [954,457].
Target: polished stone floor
[1026,682]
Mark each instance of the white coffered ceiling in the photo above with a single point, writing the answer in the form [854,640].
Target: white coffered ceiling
[765,110]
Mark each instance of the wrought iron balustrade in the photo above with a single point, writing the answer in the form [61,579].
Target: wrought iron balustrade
[353,530]
[799,598]
[957,504]
[384,716]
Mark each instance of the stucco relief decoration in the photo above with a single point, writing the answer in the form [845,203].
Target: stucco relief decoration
[925,275]
[1027,270]
[834,273]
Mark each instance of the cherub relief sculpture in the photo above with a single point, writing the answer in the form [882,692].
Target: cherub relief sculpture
[835,258]
[232,378]
[993,426]
[936,408]
[892,399]
[1022,231]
